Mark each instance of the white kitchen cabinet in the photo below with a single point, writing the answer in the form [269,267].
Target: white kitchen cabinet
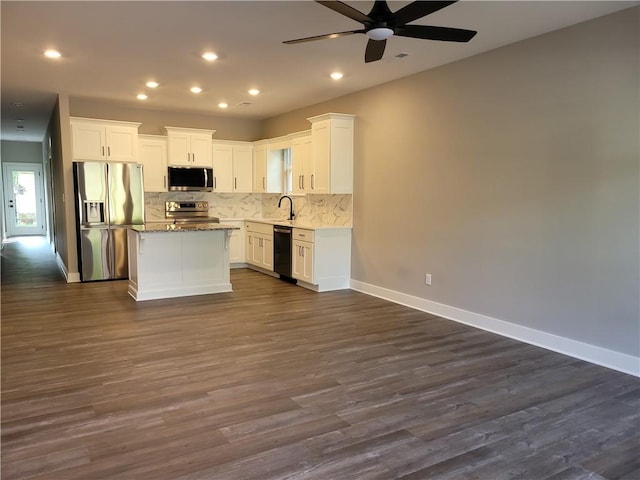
[321,258]
[232,167]
[189,147]
[104,140]
[236,244]
[302,168]
[268,168]
[259,245]
[332,153]
[152,154]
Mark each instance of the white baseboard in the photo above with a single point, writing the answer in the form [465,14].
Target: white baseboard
[600,356]
[73,277]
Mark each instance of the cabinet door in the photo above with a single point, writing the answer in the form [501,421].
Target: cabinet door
[260,169]
[152,153]
[179,152]
[302,164]
[302,266]
[222,168]
[236,242]
[249,248]
[200,150]
[321,149]
[267,253]
[297,165]
[88,142]
[242,169]
[122,144]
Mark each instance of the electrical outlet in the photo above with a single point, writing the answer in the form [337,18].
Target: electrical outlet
[427,279]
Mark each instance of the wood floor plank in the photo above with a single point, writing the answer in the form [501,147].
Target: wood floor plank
[273,382]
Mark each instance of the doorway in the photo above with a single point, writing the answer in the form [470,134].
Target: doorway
[24,201]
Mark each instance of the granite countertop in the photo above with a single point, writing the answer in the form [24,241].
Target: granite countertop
[158,227]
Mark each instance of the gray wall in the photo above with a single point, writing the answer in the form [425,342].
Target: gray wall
[512,177]
[21,152]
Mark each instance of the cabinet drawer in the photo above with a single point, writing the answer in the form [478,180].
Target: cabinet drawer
[304,235]
[257,227]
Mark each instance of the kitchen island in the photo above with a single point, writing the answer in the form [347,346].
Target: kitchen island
[168,260]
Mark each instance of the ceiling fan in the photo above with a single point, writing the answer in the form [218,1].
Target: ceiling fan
[381,23]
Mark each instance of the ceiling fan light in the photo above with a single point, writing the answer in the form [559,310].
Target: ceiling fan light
[381,33]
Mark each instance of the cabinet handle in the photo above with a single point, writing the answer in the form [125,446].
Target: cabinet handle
[250,238]
[312,182]
[302,181]
[103,151]
[108,151]
[235,183]
[193,157]
[302,252]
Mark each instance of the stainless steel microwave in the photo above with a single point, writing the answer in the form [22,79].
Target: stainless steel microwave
[190,179]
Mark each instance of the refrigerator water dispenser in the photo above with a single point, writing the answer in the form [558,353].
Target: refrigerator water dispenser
[94,212]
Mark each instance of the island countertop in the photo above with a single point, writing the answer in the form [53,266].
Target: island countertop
[162,227]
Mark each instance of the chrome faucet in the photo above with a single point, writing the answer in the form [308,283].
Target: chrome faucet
[291,214]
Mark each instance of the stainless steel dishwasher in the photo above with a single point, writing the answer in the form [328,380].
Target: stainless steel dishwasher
[282,252]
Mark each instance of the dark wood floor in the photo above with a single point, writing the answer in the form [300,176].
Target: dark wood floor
[273,381]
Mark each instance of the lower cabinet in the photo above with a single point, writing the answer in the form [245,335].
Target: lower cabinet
[259,245]
[302,266]
[236,244]
[321,258]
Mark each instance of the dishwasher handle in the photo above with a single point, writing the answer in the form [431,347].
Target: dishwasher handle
[282,230]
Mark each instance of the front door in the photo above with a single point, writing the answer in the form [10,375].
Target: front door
[23,199]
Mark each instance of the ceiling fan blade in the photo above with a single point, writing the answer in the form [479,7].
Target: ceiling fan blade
[427,32]
[346,10]
[321,37]
[416,10]
[374,51]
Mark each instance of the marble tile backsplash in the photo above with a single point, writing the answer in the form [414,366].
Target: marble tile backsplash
[312,209]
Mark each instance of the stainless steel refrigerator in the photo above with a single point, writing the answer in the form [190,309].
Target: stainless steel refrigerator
[109,198]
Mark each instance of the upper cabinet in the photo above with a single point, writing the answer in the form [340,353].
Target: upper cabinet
[104,140]
[332,153]
[189,147]
[268,166]
[232,167]
[152,153]
[302,168]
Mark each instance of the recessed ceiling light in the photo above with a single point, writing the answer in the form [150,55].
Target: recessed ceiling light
[52,54]
[223,105]
[17,104]
[209,56]
[254,92]
[196,89]
[336,75]
[141,96]
[152,84]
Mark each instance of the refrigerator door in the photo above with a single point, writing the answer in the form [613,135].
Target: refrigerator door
[94,261]
[126,194]
[90,180]
[119,261]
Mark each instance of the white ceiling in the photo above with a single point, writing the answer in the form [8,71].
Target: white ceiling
[110,49]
